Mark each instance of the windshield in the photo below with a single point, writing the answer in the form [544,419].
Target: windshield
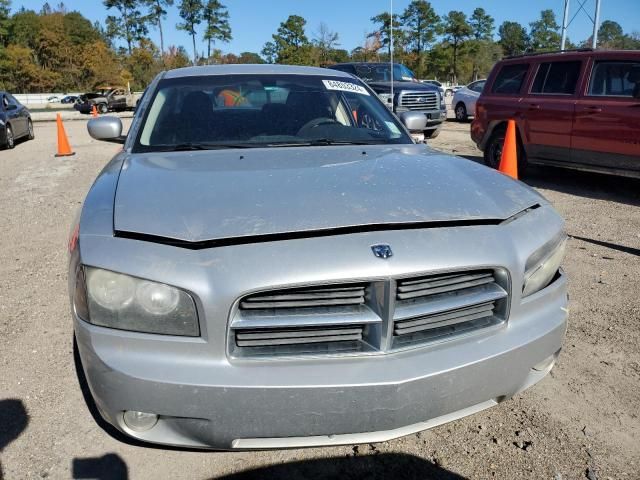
[382,73]
[241,111]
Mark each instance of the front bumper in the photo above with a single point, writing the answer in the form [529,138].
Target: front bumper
[284,404]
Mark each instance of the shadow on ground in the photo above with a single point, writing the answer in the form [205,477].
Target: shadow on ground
[369,467]
[108,467]
[13,421]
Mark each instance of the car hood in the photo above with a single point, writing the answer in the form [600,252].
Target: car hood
[402,85]
[227,194]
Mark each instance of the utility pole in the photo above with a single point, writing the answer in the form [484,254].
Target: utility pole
[565,24]
[391,54]
[596,24]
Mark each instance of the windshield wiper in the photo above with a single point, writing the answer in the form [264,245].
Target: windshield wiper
[320,142]
[181,147]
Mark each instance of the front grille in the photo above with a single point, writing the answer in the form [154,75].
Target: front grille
[368,317]
[419,100]
[433,307]
[308,320]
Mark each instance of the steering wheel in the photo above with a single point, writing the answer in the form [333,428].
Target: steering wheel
[316,122]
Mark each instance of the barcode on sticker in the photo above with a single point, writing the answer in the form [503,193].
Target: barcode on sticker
[345,87]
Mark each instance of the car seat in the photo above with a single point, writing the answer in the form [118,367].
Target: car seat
[195,118]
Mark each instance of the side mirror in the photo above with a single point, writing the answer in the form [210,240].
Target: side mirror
[414,121]
[12,106]
[106,129]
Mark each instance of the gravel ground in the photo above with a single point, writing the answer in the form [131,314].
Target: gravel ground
[579,422]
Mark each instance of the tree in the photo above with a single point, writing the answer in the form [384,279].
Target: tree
[545,32]
[191,12]
[216,17]
[24,28]
[383,32]
[482,25]
[5,10]
[130,25]
[269,52]
[513,38]
[325,41]
[157,13]
[422,24]
[457,30]
[290,43]
[250,57]
[175,57]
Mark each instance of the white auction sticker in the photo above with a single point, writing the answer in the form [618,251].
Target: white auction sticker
[345,87]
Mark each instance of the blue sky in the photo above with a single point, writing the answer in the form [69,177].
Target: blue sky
[254,21]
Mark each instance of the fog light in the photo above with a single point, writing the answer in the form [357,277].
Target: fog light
[140,421]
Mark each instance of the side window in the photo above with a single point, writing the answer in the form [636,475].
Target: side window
[557,78]
[510,78]
[477,86]
[615,79]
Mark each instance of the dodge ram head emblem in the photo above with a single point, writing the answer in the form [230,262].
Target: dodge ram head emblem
[382,251]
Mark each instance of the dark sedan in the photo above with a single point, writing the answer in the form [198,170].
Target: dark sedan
[15,121]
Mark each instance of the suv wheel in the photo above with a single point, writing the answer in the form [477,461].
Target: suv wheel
[493,151]
[31,135]
[102,108]
[10,141]
[461,112]
[432,133]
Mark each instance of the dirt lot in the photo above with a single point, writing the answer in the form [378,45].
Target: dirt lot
[580,422]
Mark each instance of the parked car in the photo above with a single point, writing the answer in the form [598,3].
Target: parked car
[452,89]
[15,121]
[53,99]
[108,99]
[271,262]
[436,83]
[464,100]
[69,99]
[577,110]
[410,95]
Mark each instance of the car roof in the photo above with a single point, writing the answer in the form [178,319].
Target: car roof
[573,54]
[248,69]
[364,63]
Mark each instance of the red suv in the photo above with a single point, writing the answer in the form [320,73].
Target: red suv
[577,109]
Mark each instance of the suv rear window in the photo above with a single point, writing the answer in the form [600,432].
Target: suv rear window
[557,78]
[510,78]
[615,79]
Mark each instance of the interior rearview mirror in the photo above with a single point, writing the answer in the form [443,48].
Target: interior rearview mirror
[106,129]
[414,121]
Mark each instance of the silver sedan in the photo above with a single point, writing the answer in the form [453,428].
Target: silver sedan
[272,262]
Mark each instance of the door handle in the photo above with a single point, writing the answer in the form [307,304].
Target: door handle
[592,109]
[534,106]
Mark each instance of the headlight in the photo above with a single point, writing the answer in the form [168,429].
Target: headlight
[128,303]
[387,99]
[543,265]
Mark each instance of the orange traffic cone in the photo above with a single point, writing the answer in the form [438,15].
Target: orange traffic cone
[94,111]
[509,158]
[64,150]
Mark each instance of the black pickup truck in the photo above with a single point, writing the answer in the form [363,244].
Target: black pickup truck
[409,95]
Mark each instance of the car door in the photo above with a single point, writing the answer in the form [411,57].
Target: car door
[606,131]
[474,91]
[548,110]
[22,116]
[12,115]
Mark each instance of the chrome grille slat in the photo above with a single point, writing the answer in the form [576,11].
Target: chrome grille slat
[306,297]
[427,324]
[446,288]
[439,281]
[459,313]
[275,337]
